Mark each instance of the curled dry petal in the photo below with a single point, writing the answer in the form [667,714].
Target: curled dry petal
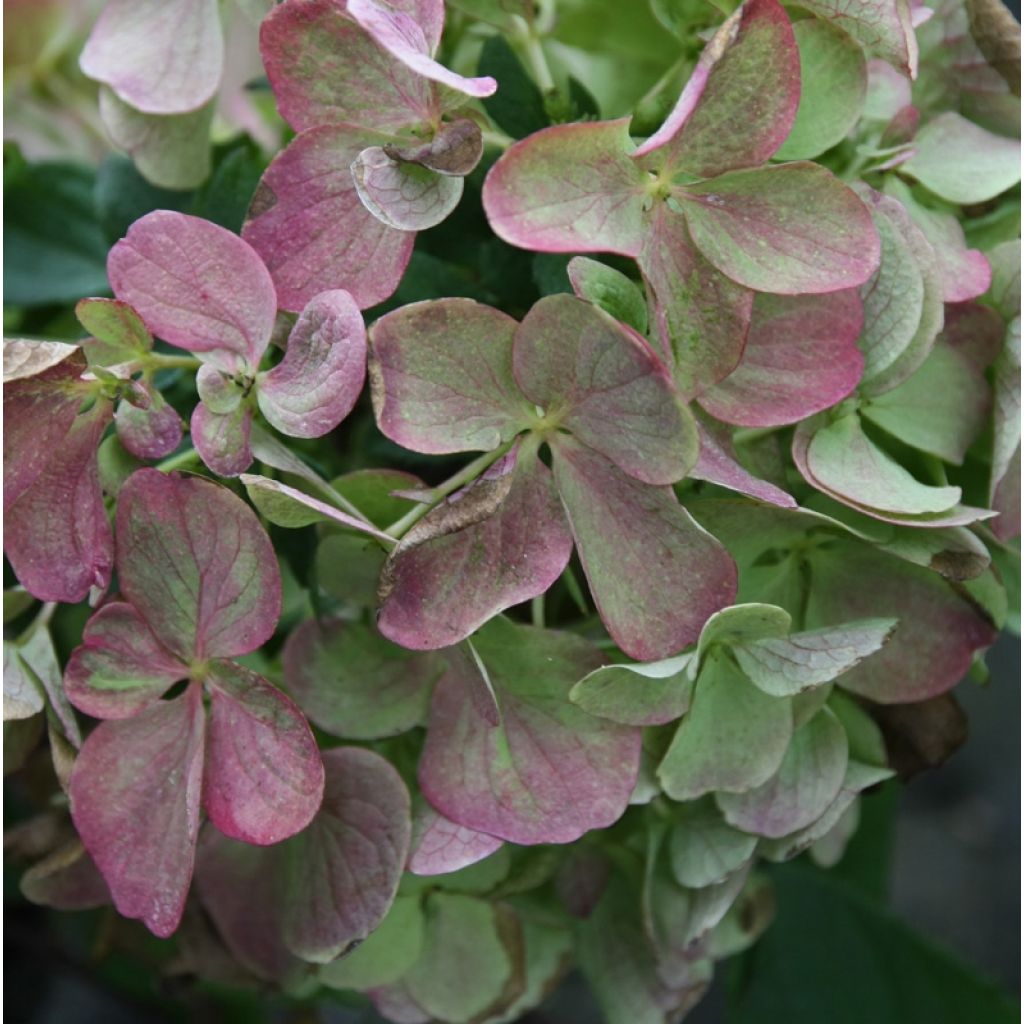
[321,376]
[197,286]
[456,149]
[498,542]
[405,196]
[196,564]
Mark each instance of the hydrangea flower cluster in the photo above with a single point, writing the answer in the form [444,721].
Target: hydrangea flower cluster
[533,653]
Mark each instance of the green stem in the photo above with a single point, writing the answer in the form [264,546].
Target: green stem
[158,361]
[173,462]
[537,611]
[535,57]
[499,140]
[468,473]
[41,620]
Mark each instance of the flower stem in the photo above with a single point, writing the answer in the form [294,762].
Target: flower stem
[173,462]
[158,361]
[464,476]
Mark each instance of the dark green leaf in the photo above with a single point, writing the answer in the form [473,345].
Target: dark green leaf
[518,106]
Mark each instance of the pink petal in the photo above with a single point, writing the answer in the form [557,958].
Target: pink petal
[718,465]
[149,433]
[548,772]
[197,286]
[135,792]
[404,39]
[801,357]
[442,379]
[310,227]
[120,668]
[740,103]
[496,543]
[319,380]
[325,69]
[937,631]
[196,564]
[602,382]
[789,229]
[264,779]
[570,188]
[162,58]
[40,404]
[222,439]
[655,575]
[56,535]
[353,853]
[883,27]
[440,846]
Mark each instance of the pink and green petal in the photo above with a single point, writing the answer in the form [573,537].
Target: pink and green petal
[965,273]
[197,565]
[319,380]
[135,796]
[789,229]
[162,58]
[120,668]
[548,771]
[42,395]
[440,846]
[355,684]
[655,575]
[325,69]
[197,286]
[442,377]
[149,433]
[702,317]
[739,104]
[264,778]
[239,886]
[1005,475]
[570,188]
[56,535]
[405,196]
[801,791]
[495,544]
[719,465]
[355,850]
[937,633]
[883,27]
[404,38]
[801,357]
[602,382]
[222,439]
[310,227]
